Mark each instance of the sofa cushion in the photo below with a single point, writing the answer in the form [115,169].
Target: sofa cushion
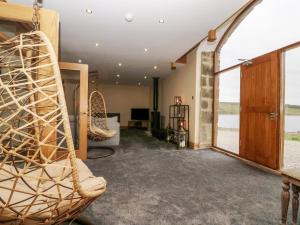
[113,119]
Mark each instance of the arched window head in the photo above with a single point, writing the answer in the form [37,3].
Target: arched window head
[272,24]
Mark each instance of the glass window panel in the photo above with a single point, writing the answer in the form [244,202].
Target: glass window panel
[270,25]
[292,109]
[229,111]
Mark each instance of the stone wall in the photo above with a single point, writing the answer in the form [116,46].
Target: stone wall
[206,99]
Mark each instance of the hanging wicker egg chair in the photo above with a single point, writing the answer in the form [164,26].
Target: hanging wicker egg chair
[41,180]
[98,129]
[97,126]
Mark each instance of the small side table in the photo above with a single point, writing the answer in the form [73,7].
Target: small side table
[290,177]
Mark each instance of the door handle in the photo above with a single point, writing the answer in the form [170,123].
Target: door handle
[273,115]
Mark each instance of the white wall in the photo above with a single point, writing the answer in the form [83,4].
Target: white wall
[181,82]
[121,98]
[185,82]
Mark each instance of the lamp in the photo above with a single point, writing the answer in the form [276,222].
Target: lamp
[177,100]
[181,125]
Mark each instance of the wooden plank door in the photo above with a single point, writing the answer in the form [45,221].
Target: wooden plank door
[260,100]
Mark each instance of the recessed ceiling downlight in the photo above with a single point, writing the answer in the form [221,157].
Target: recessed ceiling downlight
[89,11]
[155,67]
[97,44]
[118,75]
[79,61]
[129,17]
[139,83]
[161,21]
[119,64]
[145,77]
[146,49]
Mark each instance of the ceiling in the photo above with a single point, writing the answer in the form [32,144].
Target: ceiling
[186,22]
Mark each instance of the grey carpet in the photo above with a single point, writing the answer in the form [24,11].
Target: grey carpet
[150,182]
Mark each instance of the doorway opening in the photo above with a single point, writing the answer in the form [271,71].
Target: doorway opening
[291,154]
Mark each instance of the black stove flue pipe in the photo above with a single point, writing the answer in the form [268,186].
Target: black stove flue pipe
[155,115]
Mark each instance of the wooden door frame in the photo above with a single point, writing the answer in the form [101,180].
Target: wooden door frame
[49,25]
[49,19]
[281,52]
[83,105]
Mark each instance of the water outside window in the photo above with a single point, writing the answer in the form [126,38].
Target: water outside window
[229,111]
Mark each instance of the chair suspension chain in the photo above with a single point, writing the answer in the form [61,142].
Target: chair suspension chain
[36,15]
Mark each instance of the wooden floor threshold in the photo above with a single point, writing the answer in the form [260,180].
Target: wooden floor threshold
[256,165]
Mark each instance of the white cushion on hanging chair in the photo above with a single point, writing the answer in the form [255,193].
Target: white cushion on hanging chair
[25,188]
[103,133]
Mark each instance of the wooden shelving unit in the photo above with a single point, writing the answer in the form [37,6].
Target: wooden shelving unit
[177,114]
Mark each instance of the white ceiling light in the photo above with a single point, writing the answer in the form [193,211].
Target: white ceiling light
[97,44]
[145,77]
[119,64]
[79,61]
[161,21]
[155,67]
[118,75]
[146,49]
[139,83]
[129,17]
[93,81]
[89,11]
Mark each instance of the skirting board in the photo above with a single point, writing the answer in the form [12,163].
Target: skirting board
[193,145]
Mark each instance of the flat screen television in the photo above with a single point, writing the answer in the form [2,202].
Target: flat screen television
[139,114]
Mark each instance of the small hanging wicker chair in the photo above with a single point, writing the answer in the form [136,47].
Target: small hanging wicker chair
[97,126]
[41,180]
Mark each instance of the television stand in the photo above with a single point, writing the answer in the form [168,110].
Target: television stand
[138,124]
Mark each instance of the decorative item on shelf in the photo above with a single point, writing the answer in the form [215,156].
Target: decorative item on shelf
[177,100]
[180,111]
[181,138]
[169,136]
[181,134]
[181,125]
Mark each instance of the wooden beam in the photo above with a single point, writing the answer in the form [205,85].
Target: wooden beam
[173,66]
[182,60]
[233,15]
[3,1]
[212,36]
